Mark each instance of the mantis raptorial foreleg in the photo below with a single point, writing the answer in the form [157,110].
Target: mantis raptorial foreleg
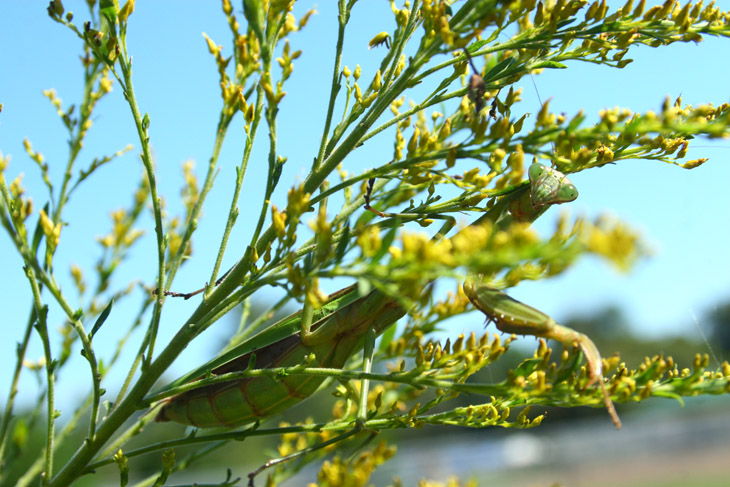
[512,316]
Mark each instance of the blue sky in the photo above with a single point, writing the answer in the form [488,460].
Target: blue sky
[683,215]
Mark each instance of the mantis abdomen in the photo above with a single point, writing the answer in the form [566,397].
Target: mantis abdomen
[332,341]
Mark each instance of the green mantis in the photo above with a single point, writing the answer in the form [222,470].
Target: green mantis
[338,330]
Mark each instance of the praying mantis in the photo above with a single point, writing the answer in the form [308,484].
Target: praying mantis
[340,326]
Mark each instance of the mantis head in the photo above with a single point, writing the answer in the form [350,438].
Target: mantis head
[549,186]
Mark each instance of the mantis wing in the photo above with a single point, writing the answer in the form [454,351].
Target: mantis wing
[282,329]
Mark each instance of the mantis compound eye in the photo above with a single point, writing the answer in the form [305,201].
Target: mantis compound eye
[566,192]
[536,171]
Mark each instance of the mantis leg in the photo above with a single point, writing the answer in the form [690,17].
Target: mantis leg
[512,316]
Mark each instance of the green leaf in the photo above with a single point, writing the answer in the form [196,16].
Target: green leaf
[476,46]
[549,65]
[387,337]
[501,67]
[108,10]
[669,395]
[528,366]
[20,433]
[101,319]
[342,244]
[253,10]
[572,366]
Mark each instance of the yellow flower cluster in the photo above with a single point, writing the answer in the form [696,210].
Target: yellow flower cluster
[23,208]
[454,304]
[122,235]
[293,442]
[78,278]
[35,156]
[190,192]
[436,22]
[401,14]
[369,241]
[466,355]
[52,232]
[356,472]
[612,240]
[285,61]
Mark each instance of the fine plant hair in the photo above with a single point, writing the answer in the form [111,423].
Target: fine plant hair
[445,96]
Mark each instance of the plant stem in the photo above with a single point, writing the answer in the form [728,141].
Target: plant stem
[126,67]
[343,16]
[240,175]
[41,312]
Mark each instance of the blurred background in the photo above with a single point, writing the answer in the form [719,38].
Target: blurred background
[676,302]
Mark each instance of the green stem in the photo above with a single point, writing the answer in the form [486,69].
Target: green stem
[413,378]
[138,357]
[198,321]
[240,175]
[185,463]
[342,17]
[237,435]
[128,405]
[142,133]
[367,360]
[76,139]
[88,350]
[42,328]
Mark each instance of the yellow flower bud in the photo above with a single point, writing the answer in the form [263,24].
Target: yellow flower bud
[413,142]
[445,130]
[212,48]
[401,64]
[279,221]
[358,93]
[127,10]
[378,82]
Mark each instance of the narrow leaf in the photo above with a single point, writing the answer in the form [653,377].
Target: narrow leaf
[501,67]
[549,65]
[101,319]
[342,244]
